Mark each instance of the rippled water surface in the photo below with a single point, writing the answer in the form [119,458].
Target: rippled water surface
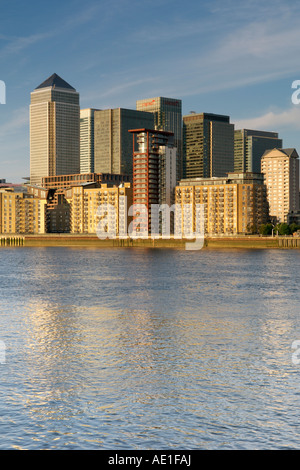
[149,349]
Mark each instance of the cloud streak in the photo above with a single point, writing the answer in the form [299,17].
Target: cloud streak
[17,44]
[248,44]
[18,120]
[286,119]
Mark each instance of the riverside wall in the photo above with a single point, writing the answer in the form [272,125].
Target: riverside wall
[247,242]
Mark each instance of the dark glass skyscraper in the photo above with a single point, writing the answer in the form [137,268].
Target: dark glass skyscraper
[208,145]
[113,146]
[249,147]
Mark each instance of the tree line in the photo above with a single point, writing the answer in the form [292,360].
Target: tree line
[269,229]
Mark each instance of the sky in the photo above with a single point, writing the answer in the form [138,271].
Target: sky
[218,56]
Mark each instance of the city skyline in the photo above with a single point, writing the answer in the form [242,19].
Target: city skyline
[217,57]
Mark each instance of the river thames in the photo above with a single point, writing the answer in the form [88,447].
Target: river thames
[149,349]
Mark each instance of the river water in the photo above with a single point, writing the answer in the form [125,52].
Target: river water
[149,349]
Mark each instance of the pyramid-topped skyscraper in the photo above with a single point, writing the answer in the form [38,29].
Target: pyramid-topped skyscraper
[55,81]
[54,130]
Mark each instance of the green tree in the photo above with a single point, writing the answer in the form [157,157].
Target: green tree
[294,227]
[283,229]
[265,229]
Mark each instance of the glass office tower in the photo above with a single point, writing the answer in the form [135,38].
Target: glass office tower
[113,146]
[167,117]
[249,147]
[208,145]
[54,130]
[87,146]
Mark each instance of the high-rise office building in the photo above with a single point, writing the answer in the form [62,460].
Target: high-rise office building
[154,176]
[87,147]
[208,145]
[112,141]
[281,170]
[249,147]
[54,130]
[167,117]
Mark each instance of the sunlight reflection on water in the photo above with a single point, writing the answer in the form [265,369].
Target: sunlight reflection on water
[125,349]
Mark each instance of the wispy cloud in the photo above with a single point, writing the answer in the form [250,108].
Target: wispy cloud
[18,120]
[272,121]
[235,46]
[85,15]
[115,91]
[255,54]
[16,44]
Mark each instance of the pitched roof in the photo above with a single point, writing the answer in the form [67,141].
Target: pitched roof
[290,152]
[55,81]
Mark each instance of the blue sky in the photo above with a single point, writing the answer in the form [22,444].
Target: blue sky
[220,56]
